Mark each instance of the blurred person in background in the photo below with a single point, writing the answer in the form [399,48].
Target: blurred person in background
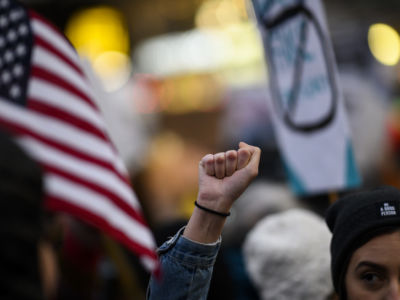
[390,164]
[367,120]
[29,259]
[22,217]
[287,256]
[261,199]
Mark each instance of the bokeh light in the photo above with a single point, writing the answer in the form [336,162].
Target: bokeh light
[384,43]
[217,13]
[100,35]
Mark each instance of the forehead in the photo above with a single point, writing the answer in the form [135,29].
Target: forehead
[383,249]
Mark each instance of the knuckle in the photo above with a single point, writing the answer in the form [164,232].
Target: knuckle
[209,162]
[206,159]
[232,157]
[220,160]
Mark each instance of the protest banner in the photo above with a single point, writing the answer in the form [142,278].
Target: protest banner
[307,103]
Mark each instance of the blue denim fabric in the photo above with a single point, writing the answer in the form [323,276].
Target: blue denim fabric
[186,270]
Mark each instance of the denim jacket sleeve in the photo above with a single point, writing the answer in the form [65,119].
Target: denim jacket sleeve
[186,268]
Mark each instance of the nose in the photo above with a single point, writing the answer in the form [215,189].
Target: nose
[394,290]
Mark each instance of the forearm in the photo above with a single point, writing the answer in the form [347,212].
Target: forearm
[186,270]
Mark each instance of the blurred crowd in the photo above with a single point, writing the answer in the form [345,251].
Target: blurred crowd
[275,244]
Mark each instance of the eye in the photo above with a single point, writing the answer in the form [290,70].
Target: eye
[369,277]
[372,280]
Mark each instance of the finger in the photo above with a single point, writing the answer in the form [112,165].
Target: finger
[230,162]
[244,155]
[207,162]
[219,165]
[254,161]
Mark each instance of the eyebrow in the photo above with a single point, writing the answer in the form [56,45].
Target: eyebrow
[370,265]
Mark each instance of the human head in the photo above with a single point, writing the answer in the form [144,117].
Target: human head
[287,256]
[262,198]
[355,220]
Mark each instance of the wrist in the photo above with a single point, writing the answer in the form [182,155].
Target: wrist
[211,211]
[204,227]
[214,202]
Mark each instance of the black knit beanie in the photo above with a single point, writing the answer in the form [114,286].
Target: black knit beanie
[356,219]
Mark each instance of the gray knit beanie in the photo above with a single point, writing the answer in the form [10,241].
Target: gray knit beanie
[287,256]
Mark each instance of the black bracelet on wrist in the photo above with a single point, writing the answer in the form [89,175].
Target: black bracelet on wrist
[221,214]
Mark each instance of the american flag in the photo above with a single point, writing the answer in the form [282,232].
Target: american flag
[47,103]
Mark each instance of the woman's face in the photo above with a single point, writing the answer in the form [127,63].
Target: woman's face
[374,270]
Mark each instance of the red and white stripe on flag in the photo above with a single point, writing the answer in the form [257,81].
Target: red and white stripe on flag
[61,127]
